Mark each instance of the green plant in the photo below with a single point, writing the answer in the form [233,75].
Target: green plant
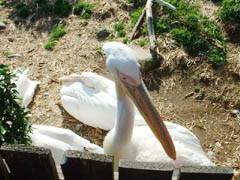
[119,27]
[121,33]
[5,21]
[6,54]
[14,124]
[50,45]
[196,33]
[142,42]
[46,8]
[230,10]
[136,14]
[125,40]
[62,8]
[84,9]
[197,89]
[24,12]
[56,34]
[16,22]
[4,3]
[19,5]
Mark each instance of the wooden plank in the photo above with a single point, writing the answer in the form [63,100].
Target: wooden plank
[85,165]
[144,170]
[29,162]
[206,172]
[4,174]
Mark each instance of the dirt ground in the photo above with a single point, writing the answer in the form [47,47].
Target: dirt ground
[172,86]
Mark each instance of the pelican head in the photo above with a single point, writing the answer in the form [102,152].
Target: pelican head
[122,63]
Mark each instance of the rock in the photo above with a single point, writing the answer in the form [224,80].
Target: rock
[103,34]
[10,39]
[2,25]
[145,59]
[218,144]
[14,55]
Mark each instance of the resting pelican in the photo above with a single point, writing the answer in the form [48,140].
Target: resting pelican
[81,95]
[91,98]
[59,140]
[24,86]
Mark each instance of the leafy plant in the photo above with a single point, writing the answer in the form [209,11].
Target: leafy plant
[142,42]
[121,33]
[62,8]
[56,34]
[230,10]
[24,12]
[195,32]
[6,54]
[119,27]
[136,14]
[84,9]
[125,40]
[14,124]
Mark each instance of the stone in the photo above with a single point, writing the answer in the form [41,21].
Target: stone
[2,25]
[103,34]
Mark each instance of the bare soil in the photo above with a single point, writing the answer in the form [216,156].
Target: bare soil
[207,113]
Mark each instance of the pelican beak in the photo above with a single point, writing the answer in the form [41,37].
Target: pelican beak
[142,100]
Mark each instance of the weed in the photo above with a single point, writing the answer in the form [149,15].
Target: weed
[121,33]
[119,27]
[83,9]
[197,89]
[57,32]
[142,42]
[195,32]
[83,56]
[46,8]
[85,23]
[4,3]
[16,22]
[24,12]
[136,14]
[5,22]
[125,40]
[62,8]
[6,54]
[230,10]
[19,5]
[50,45]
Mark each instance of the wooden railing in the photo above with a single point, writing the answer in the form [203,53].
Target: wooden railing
[19,162]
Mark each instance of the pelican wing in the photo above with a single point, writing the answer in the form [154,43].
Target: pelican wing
[91,99]
[25,87]
[188,148]
[59,140]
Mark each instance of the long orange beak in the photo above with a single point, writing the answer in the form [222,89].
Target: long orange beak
[142,100]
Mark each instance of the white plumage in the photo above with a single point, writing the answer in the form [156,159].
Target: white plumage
[141,144]
[25,87]
[59,140]
[91,99]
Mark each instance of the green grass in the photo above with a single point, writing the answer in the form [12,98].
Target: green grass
[6,54]
[136,14]
[198,35]
[143,42]
[119,27]
[125,40]
[83,6]
[230,10]
[56,34]
[62,8]
[122,33]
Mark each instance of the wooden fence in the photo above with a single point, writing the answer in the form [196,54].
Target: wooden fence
[19,162]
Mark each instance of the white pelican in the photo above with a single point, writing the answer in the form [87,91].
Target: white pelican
[59,140]
[81,95]
[139,142]
[95,93]
[24,86]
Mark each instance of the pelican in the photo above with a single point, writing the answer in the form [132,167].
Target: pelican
[59,140]
[24,86]
[140,142]
[83,94]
